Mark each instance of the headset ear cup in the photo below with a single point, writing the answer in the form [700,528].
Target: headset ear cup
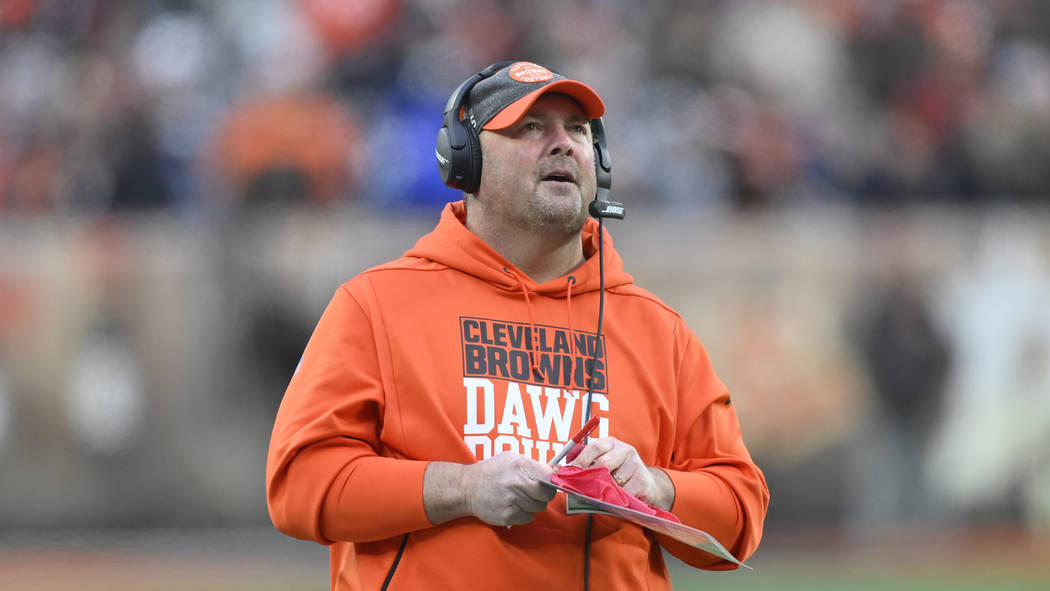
[602,162]
[458,148]
[443,151]
[460,166]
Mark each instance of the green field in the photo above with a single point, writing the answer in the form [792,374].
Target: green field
[956,560]
[260,559]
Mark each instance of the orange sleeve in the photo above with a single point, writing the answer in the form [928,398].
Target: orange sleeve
[324,478]
[718,488]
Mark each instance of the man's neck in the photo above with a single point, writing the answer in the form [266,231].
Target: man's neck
[545,264]
[540,257]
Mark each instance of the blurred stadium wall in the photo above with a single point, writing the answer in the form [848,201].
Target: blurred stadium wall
[143,362]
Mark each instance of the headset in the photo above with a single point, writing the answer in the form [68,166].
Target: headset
[458,150]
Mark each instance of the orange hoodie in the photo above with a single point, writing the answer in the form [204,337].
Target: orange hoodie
[451,353]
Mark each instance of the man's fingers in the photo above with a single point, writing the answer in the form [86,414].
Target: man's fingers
[501,494]
[529,504]
[623,463]
[593,451]
[528,488]
[539,493]
[622,477]
[618,460]
[609,452]
[530,495]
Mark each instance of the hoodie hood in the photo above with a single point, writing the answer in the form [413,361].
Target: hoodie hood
[453,245]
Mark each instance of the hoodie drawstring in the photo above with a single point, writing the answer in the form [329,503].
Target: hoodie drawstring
[568,307]
[535,337]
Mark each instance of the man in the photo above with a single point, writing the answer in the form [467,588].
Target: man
[432,383]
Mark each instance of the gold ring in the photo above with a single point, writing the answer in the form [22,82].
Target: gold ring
[618,479]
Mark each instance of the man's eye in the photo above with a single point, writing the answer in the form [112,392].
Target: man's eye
[531,126]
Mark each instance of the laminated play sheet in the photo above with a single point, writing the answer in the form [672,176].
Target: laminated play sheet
[581,503]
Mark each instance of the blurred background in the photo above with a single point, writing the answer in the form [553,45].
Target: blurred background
[846,200]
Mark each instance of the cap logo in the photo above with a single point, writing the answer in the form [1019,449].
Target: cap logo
[529,72]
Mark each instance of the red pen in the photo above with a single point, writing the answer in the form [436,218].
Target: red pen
[576,440]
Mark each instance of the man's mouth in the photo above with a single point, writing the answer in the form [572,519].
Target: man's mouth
[560,176]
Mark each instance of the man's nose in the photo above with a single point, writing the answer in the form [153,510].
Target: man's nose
[560,143]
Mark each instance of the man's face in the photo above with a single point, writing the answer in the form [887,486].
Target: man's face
[539,172]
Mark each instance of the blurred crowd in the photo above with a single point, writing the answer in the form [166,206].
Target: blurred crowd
[201,107]
[169,171]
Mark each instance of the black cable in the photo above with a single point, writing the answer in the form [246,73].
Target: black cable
[587,556]
[590,385]
[601,315]
[397,560]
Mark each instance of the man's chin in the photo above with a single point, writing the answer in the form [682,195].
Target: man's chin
[564,220]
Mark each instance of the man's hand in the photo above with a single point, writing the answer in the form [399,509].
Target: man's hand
[651,485]
[493,490]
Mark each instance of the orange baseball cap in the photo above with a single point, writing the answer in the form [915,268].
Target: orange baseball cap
[501,99]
